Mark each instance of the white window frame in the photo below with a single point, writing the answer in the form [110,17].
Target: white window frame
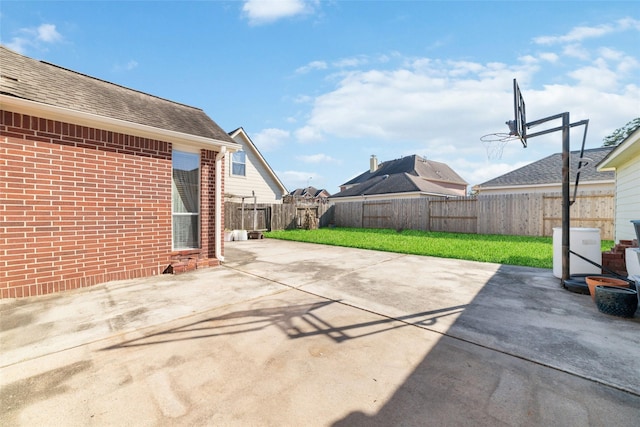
[234,162]
[175,214]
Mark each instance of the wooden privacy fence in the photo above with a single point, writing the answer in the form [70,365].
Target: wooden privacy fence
[276,216]
[533,214]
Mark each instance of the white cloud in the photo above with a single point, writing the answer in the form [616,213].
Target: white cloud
[34,37]
[267,11]
[441,108]
[598,77]
[314,65]
[578,34]
[270,139]
[549,57]
[576,51]
[309,134]
[48,34]
[317,158]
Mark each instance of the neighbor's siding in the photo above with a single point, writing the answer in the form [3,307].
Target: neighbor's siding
[627,199]
[81,206]
[258,179]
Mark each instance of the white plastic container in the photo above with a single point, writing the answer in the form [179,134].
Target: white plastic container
[632,261]
[583,241]
[240,235]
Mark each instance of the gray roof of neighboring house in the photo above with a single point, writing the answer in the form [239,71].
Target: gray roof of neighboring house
[50,84]
[405,175]
[549,170]
[309,192]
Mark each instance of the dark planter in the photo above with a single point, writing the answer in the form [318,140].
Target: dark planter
[617,301]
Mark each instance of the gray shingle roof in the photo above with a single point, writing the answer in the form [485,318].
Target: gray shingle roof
[50,84]
[405,175]
[412,165]
[549,170]
[309,192]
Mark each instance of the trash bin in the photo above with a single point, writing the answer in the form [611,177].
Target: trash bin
[583,241]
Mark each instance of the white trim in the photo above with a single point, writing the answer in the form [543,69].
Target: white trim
[218,208]
[556,184]
[52,112]
[389,196]
[617,155]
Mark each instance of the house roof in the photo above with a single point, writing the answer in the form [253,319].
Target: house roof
[45,83]
[626,151]
[309,192]
[405,175]
[413,165]
[549,170]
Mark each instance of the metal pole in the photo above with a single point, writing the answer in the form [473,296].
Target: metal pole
[242,216]
[255,212]
[566,128]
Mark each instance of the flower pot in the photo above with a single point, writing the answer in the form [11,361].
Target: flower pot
[616,301]
[593,281]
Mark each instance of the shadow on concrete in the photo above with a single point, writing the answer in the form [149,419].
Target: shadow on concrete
[295,321]
[525,352]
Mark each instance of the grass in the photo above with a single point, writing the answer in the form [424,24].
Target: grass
[500,249]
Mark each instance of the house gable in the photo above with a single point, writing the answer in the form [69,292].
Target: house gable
[259,176]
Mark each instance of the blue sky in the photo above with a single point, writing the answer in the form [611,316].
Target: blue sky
[320,86]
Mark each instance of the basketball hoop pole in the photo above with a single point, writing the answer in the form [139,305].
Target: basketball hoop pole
[566,212]
[518,127]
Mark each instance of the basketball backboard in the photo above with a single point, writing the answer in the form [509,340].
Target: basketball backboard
[518,126]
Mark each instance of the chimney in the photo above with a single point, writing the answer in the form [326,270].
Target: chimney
[373,163]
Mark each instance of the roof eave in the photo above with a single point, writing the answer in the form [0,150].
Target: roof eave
[548,184]
[52,112]
[627,148]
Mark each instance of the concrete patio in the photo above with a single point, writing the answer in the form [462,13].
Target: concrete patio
[298,334]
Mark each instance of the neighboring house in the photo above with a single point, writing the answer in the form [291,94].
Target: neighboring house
[308,195]
[407,177]
[250,174]
[99,182]
[545,176]
[624,162]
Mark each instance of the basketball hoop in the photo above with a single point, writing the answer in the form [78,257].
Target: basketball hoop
[494,143]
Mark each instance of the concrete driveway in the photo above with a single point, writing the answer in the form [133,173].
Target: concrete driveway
[291,334]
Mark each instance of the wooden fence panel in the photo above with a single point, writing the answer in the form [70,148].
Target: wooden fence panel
[277,216]
[532,214]
[514,214]
[590,210]
[411,214]
[348,214]
[459,215]
[377,214]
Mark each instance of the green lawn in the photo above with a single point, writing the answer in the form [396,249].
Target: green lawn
[513,250]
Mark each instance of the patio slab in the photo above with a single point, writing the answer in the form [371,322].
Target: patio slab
[299,334]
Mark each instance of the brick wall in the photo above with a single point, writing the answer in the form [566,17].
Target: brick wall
[80,206]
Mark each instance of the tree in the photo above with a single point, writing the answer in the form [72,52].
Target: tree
[622,133]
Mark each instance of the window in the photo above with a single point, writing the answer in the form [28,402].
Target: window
[239,163]
[186,200]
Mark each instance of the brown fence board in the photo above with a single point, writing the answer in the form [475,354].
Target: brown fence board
[533,214]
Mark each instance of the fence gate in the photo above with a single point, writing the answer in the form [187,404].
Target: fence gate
[454,215]
[376,214]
